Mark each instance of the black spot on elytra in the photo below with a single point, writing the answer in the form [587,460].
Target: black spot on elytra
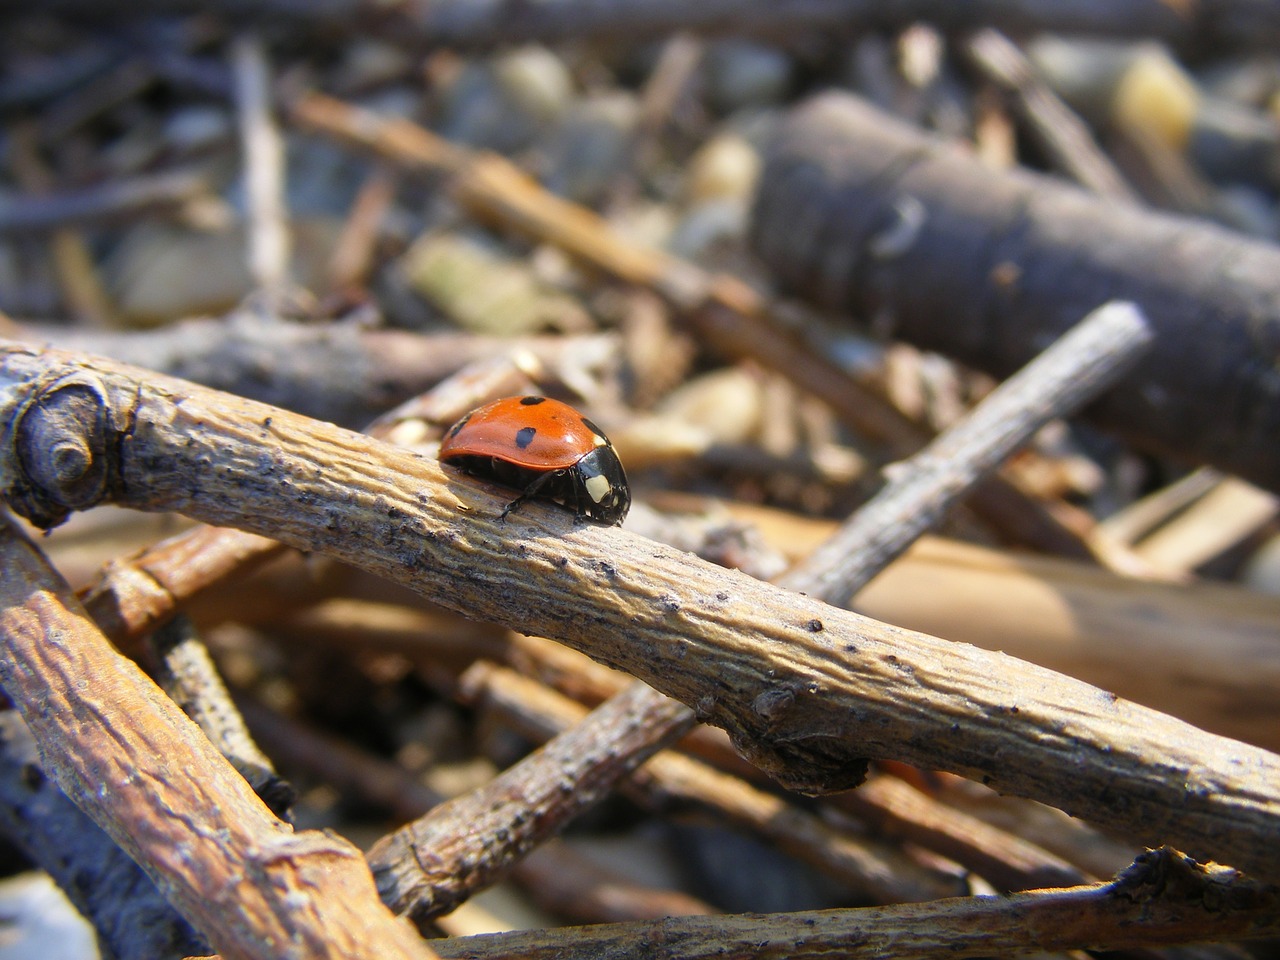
[593,428]
[532,401]
[457,427]
[525,435]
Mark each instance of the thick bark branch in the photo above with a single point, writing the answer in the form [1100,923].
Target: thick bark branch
[863,213]
[132,920]
[805,689]
[126,755]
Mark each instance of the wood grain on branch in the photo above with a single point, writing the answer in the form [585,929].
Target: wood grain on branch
[1161,899]
[132,920]
[855,208]
[806,689]
[126,755]
[431,865]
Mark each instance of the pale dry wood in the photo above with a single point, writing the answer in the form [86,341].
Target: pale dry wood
[127,756]
[1135,520]
[263,149]
[806,689]
[1225,516]
[1160,900]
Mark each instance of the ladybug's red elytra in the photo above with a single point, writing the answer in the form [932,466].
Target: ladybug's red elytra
[544,448]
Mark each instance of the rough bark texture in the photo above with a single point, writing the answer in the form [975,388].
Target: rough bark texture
[1156,901]
[431,865]
[862,213]
[132,920]
[805,689]
[125,754]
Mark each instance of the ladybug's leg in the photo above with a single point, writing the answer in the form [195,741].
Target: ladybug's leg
[578,499]
[530,491]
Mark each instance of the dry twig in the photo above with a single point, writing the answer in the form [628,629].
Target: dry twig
[126,755]
[921,491]
[1161,899]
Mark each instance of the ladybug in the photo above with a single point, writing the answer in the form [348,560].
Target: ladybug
[545,448]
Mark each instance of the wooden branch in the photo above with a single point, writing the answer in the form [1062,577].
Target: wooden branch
[430,866]
[924,489]
[132,920]
[1141,640]
[186,673]
[132,596]
[885,804]
[339,371]
[805,689]
[263,150]
[1058,130]
[1162,899]
[126,755]
[869,867]
[1012,260]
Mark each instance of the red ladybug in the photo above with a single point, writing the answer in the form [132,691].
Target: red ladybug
[545,448]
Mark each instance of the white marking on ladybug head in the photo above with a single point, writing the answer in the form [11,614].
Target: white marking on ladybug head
[598,440]
[597,488]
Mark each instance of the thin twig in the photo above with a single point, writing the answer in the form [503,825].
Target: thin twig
[186,672]
[1055,125]
[922,490]
[132,596]
[264,168]
[433,864]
